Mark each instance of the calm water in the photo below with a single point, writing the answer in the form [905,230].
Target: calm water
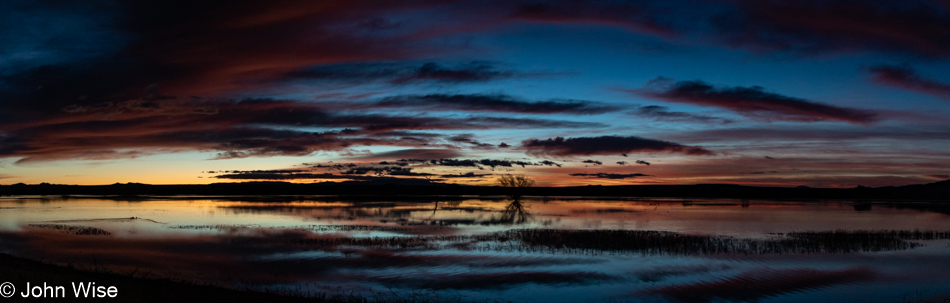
[473,249]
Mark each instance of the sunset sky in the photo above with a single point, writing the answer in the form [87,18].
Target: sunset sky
[787,93]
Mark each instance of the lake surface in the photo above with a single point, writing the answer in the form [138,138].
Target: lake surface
[483,249]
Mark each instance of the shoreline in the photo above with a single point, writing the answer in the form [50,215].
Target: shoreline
[936,192]
[21,271]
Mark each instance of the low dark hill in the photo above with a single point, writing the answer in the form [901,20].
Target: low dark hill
[939,191]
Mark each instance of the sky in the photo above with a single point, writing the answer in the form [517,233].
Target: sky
[772,93]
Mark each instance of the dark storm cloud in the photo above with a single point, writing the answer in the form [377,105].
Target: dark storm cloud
[483,122]
[375,123]
[907,78]
[639,16]
[372,171]
[228,45]
[407,167]
[920,28]
[233,129]
[594,162]
[476,71]
[469,139]
[417,153]
[207,48]
[605,145]
[260,171]
[420,138]
[408,173]
[191,48]
[753,102]
[609,175]
[916,28]
[366,170]
[292,176]
[466,175]
[402,171]
[105,103]
[491,103]
[56,32]
[354,173]
[382,170]
[104,80]
[662,113]
[108,139]
[408,73]
[471,72]
[403,134]
[479,163]
[811,134]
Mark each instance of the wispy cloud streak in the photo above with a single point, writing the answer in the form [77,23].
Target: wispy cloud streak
[907,78]
[753,102]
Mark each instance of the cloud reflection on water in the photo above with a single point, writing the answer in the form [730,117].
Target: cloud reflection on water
[488,248]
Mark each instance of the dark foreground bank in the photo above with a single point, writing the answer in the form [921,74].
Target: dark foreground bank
[20,271]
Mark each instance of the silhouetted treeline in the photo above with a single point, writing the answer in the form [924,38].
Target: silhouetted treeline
[933,191]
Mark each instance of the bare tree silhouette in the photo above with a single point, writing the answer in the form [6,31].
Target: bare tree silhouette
[515,212]
[510,180]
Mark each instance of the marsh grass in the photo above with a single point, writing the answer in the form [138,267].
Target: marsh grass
[661,242]
[646,242]
[74,229]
